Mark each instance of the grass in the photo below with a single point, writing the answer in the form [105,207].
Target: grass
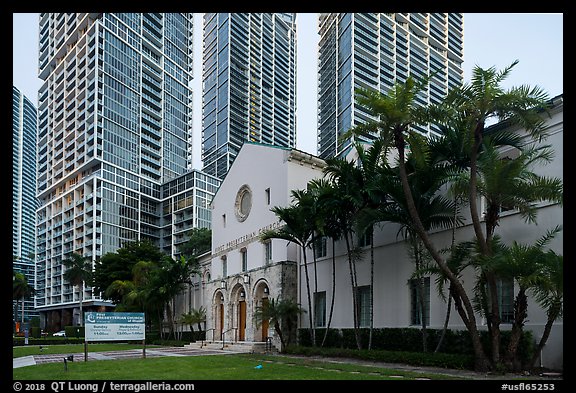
[213,367]
[28,350]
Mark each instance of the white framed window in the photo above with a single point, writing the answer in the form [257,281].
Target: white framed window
[244,258]
[365,239]
[505,288]
[415,302]
[268,251]
[224,266]
[320,309]
[363,305]
[320,248]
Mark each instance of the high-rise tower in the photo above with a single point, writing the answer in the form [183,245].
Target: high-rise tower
[115,123]
[249,84]
[359,50]
[24,202]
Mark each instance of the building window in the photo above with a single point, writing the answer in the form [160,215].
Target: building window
[224,266]
[363,305]
[267,196]
[244,258]
[365,239]
[320,247]
[224,220]
[415,308]
[268,252]
[320,309]
[243,203]
[505,288]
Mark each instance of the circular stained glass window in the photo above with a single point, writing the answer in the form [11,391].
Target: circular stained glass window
[243,203]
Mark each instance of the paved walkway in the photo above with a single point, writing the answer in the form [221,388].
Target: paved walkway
[121,354]
[186,351]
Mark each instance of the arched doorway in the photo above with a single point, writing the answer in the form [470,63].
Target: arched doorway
[219,314]
[265,323]
[261,296]
[242,315]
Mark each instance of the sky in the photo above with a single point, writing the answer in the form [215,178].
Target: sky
[490,40]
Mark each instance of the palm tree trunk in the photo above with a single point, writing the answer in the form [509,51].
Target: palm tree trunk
[81,301]
[311,328]
[22,324]
[445,327]
[279,331]
[421,300]
[333,292]
[351,266]
[520,314]
[552,316]
[371,289]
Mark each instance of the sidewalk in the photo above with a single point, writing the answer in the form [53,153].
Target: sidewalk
[109,355]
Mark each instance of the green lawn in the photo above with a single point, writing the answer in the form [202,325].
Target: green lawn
[212,367]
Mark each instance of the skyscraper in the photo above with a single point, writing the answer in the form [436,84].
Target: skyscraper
[249,84]
[114,119]
[359,50]
[24,202]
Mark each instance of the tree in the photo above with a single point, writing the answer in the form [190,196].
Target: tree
[283,315]
[528,266]
[170,279]
[481,100]
[471,105]
[348,200]
[194,316]
[298,229]
[199,242]
[119,265]
[327,225]
[21,290]
[549,294]
[396,115]
[78,273]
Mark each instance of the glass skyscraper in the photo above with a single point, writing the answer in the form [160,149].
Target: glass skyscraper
[114,116]
[361,50]
[24,202]
[249,84]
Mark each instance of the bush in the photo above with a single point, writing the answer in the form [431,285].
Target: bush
[410,340]
[74,331]
[442,360]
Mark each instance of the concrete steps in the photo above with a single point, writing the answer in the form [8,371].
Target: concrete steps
[238,346]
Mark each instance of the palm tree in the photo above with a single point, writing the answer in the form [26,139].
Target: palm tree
[527,265]
[473,104]
[298,228]
[283,315]
[482,100]
[21,290]
[195,316]
[370,162]
[549,294]
[327,225]
[348,183]
[436,211]
[78,273]
[169,280]
[396,115]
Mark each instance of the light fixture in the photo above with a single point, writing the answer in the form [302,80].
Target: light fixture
[246,279]
[266,290]
[242,294]
[222,284]
[221,297]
